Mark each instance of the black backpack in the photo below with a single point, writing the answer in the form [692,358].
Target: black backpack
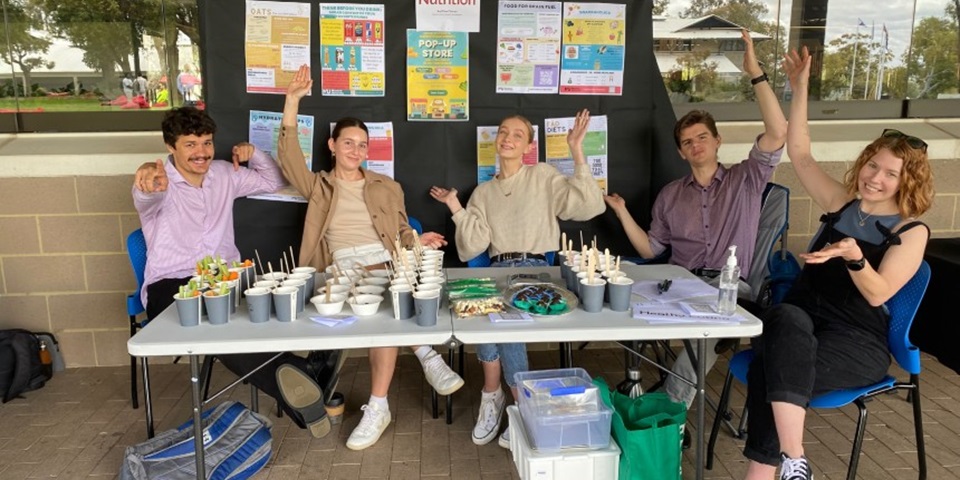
[20,366]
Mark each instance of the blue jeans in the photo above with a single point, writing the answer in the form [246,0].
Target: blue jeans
[512,356]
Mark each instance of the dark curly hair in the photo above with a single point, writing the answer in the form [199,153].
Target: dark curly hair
[186,121]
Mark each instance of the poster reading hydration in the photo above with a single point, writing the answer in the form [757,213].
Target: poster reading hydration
[528,47]
[264,133]
[277,42]
[437,76]
[488,162]
[351,50]
[593,49]
[594,146]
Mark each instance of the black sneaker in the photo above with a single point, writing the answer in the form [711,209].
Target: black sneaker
[795,468]
[687,440]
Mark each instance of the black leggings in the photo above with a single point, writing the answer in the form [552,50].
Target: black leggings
[802,354]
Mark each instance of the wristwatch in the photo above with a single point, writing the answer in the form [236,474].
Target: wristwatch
[761,78]
[856,265]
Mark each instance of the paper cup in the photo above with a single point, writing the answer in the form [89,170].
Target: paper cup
[430,287]
[591,294]
[189,310]
[218,308]
[619,288]
[285,301]
[402,298]
[258,304]
[301,292]
[427,305]
[278,276]
[309,277]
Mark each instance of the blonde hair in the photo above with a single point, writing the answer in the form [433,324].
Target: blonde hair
[525,123]
[914,195]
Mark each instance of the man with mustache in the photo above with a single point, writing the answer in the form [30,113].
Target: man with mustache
[186,211]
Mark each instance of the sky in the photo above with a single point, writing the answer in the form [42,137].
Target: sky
[842,17]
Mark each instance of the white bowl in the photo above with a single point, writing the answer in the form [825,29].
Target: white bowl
[370,290]
[334,289]
[376,281]
[333,307]
[379,273]
[365,305]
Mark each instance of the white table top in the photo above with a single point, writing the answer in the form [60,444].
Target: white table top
[579,325]
[165,336]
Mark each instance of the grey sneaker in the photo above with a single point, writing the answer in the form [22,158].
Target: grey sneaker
[488,421]
[795,468]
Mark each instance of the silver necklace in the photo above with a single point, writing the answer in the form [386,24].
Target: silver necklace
[863,220]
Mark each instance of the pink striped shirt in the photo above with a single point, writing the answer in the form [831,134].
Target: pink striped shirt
[186,223]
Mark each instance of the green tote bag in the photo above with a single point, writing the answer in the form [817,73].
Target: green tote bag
[649,431]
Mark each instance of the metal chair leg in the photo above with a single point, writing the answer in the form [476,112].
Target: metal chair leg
[147,400]
[721,409]
[918,427]
[133,366]
[857,440]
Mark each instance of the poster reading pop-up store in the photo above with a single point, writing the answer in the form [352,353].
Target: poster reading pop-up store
[437,76]
[352,50]
[591,61]
[277,42]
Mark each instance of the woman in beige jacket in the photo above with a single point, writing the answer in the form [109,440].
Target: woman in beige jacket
[354,216]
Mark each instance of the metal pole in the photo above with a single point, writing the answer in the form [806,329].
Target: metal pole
[197,426]
[853,68]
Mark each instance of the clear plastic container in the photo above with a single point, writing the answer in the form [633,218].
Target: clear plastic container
[566,464]
[562,409]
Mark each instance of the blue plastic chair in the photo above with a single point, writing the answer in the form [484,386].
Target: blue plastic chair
[137,251]
[416,225]
[902,307]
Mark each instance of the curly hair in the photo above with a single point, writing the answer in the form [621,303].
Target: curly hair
[526,123]
[915,193]
[186,121]
[692,118]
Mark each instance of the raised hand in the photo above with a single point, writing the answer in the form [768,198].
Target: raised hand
[575,135]
[433,240]
[751,66]
[242,152]
[301,84]
[797,67]
[151,177]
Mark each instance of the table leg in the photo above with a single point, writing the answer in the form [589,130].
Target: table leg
[450,397]
[147,400]
[197,426]
[701,401]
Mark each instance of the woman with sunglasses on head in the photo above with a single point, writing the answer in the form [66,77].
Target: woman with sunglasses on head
[830,332]
[353,217]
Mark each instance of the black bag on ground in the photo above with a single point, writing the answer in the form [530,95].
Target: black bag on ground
[20,367]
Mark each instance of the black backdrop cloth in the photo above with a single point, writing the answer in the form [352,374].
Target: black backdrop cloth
[642,153]
[935,329]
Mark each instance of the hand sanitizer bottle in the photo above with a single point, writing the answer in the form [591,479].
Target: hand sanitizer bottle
[729,284]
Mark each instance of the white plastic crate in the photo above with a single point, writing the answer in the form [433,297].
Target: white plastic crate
[565,464]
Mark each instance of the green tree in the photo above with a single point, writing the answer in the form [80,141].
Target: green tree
[933,61]
[660,6]
[25,48]
[838,60]
[953,13]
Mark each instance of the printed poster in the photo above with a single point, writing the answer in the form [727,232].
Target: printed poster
[264,133]
[528,47]
[488,162]
[437,76]
[449,16]
[277,44]
[380,158]
[352,50]
[593,49]
[594,146]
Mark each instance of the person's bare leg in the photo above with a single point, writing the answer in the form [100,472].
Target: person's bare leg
[383,362]
[491,375]
[760,471]
[789,419]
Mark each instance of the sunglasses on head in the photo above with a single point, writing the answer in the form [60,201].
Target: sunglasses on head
[913,142]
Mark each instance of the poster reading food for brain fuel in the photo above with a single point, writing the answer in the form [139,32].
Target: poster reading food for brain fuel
[528,47]
[594,146]
[352,50]
[437,76]
[277,43]
[593,49]
[488,162]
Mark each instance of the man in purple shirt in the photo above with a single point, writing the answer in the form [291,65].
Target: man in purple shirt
[702,214]
[186,211]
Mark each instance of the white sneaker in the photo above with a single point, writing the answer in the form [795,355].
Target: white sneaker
[444,380]
[488,421]
[371,426]
[505,438]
